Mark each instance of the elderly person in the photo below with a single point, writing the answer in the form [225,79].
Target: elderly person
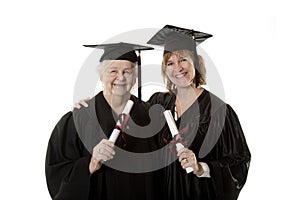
[215,145]
[81,163]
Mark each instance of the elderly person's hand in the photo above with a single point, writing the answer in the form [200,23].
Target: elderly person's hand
[103,151]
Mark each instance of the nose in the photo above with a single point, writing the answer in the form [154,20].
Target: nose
[178,67]
[121,76]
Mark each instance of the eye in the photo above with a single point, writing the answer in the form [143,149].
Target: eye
[129,71]
[169,63]
[113,72]
[183,60]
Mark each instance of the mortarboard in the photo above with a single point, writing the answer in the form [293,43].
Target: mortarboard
[123,51]
[174,38]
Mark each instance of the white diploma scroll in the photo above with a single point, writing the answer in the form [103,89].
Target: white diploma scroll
[174,132]
[114,135]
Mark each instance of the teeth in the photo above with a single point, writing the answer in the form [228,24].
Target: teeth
[179,75]
[118,85]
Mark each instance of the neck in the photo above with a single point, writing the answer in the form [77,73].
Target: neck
[188,93]
[185,97]
[117,103]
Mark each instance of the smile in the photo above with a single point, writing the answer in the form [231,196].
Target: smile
[180,75]
[119,84]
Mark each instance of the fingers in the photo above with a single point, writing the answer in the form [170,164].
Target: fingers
[81,103]
[104,150]
[187,158]
[184,153]
[77,105]
[84,102]
[104,154]
[185,164]
[94,165]
[107,143]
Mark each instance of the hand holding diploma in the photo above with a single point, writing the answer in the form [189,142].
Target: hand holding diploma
[175,132]
[104,150]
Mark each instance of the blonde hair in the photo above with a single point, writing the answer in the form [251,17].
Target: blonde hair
[201,73]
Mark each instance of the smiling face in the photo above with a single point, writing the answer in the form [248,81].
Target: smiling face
[118,77]
[179,68]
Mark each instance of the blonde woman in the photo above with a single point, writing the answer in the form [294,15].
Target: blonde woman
[215,146]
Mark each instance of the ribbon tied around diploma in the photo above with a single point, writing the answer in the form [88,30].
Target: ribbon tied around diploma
[177,139]
[123,119]
[174,131]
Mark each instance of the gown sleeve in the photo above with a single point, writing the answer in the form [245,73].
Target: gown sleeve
[67,169]
[230,158]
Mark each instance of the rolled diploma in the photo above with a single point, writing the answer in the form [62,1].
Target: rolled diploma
[174,132]
[115,133]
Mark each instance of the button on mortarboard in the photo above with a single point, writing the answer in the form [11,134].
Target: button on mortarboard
[123,51]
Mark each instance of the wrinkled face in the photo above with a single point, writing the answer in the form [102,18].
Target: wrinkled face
[179,69]
[118,78]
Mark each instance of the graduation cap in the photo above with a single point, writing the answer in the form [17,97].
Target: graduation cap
[123,51]
[174,38]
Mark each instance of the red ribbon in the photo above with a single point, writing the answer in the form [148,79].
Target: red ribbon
[123,121]
[177,139]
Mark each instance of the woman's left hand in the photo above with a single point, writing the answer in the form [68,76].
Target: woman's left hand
[187,159]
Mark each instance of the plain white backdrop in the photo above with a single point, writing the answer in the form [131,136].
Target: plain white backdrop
[254,48]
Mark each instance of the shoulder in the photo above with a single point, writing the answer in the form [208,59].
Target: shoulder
[64,129]
[161,98]
[231,114]
[139,111]
[210,104]
[214,99]
[221,111]
[213,106]
[65,120]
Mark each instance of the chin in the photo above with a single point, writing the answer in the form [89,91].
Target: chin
[120,93]
[185,85]
[182,84]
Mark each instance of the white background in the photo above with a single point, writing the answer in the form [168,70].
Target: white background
[255,49]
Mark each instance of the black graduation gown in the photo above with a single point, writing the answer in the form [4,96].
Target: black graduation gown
[68,156]
[217,140]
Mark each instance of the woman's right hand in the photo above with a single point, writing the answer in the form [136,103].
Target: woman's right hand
[103,151]
[82,102]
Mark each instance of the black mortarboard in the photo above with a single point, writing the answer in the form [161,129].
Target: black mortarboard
[174,38]
[123,51]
